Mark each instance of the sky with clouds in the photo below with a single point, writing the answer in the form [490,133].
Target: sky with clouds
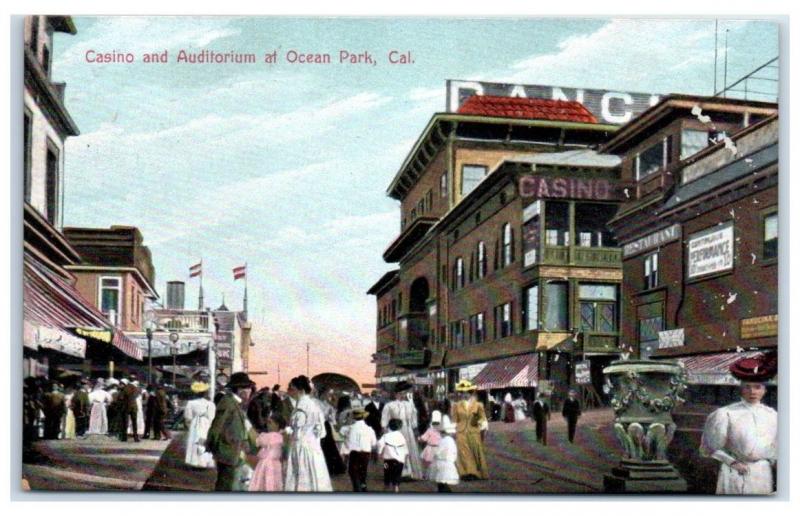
[285,166]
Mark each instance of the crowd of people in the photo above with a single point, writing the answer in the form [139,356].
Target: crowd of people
[120,408]
[297,440]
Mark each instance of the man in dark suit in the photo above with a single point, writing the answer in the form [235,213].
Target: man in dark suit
[541,414]
[54,408]
[81,408]
[160,413]
[231,436]
[149,410]
[374,410]
[128,409]
[571,412]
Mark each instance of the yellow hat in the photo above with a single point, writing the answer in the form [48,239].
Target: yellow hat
[198,387]
[465,386]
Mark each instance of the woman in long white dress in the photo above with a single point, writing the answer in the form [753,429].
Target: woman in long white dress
[306,469]
[69,419]
[519,405]
[403,408]
[198,414]
[98,417]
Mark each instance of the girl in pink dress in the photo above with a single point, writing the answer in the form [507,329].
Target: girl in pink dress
[431,439]
[268,475]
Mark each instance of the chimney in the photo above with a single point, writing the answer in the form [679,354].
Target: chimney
[175,295]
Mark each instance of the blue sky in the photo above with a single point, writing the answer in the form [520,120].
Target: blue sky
[286,166]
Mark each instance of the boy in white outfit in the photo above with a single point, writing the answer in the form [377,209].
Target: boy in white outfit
[393,449]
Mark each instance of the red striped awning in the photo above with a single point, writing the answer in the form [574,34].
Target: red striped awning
[516,371]
[52,302]
[713,368]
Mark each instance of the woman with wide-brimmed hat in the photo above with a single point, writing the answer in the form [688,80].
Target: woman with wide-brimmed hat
[471,423]
[198,414]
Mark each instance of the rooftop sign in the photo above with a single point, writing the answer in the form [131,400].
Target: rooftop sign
[610,107]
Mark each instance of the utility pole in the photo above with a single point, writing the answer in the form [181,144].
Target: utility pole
[716,45]
[725,75]
[308,352]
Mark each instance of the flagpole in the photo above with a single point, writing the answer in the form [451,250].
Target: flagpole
[244,306]
[200,296]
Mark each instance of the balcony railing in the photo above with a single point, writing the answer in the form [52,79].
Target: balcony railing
[583,256]
[184,320]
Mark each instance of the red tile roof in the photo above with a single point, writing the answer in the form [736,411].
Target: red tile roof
[532,108]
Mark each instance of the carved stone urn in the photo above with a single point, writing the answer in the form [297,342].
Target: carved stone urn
[644,393]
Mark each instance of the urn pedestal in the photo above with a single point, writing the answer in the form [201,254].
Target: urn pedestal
[644,394]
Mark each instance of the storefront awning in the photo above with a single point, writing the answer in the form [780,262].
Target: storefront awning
[49,301]
[517,371]
[713,368]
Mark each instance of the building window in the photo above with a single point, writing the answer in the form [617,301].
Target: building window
[51,185]
[648,335]
[598,308]
[481,259]
[654,158]
[591,225]
[476,328]
[556,218]
[531,307]
[458,273]
[771,236]
[508,245]
[457,329]
[110,298]
[692,142]
[503,323]
[443,185]
[556,306]
[28,135]
[651,271]
[429,198]
[471,175]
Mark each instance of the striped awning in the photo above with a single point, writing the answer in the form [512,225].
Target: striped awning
[50,301]
[516,371]
[713,368]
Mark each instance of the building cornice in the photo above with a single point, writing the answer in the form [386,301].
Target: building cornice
[46,97]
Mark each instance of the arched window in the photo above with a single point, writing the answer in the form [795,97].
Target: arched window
[481,259]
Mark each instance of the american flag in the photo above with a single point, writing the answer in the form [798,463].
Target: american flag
[239,272]
[196,270]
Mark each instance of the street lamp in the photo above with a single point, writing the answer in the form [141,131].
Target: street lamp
[173,338]
[149,332]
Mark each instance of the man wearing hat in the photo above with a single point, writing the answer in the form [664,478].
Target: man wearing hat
[80,407]
[471,423]
[54,407]
[231,435]
[358,445]
[374,408]
[129,409]
[743,436]
[402,408]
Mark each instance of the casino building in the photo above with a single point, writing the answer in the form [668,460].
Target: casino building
[538,245]
[503,249]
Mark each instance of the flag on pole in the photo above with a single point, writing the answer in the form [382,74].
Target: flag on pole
[239,272]
[196,270]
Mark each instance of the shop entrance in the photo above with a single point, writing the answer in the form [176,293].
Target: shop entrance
[597,364]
